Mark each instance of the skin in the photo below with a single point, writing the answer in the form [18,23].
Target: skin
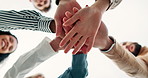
[8,43]
[129,46]
[41,4]
[37,76]
[84,17]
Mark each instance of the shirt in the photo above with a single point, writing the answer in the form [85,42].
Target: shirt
[25,19]
[39,54]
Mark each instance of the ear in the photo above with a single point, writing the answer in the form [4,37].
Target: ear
[132,48]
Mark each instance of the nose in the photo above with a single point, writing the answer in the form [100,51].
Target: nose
[40,1]
[10,45]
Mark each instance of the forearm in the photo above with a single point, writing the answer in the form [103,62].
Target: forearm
[30,60]
[130,64]
[25,19]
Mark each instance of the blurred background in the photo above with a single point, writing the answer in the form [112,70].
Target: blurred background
[127,22]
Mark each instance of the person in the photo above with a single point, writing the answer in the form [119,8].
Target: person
[84,17]
[42,5]
[8,44]
[130,57]
[25,20]
[42,52]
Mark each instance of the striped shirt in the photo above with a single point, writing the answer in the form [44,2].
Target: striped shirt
[25,19]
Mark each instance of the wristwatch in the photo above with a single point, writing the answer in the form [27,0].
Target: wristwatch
[114,3]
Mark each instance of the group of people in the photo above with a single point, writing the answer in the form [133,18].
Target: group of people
[76,28]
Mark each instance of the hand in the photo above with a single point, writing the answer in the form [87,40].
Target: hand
[88,17]
[101,37]
[55,44]
[64,5]
[68,28]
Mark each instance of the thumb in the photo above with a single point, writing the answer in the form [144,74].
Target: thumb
[58,27]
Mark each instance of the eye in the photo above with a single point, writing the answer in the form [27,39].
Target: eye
[11,48]
[45,2]
[11,40]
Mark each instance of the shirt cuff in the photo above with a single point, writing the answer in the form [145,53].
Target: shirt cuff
[111,47]
[44,24]
[46,49]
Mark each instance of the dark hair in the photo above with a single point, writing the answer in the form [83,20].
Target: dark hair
[4,56]
[137,49]
[7,33]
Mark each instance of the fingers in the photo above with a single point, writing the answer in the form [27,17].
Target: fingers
[79,45]
[67,37]
[90,44]
[72,43]
[68,14]
[75,9]
[71,20]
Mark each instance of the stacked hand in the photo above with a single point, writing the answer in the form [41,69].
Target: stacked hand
[82,26]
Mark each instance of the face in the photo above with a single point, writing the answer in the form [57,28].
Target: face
[41,4]
[8,43]
[133,47]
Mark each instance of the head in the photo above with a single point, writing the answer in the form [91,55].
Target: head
[8,44]
[42,5]
[133,47]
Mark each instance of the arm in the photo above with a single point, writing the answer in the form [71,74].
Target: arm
[30,60]
[84,17]
[64,5]
[133,66]
[78,68]
[25,19]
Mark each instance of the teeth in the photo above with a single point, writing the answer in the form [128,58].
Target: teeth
[3,44]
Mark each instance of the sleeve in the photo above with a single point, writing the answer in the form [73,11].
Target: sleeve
[30,60]
[78,68]
[114,3]
[133,66]
[25,19]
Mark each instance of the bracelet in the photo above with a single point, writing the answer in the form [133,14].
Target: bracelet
[111,47]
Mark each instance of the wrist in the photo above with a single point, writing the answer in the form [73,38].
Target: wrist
[52,26]
[101,5]
[54,47]
[109,42]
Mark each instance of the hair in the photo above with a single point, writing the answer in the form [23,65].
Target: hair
[137,49]
[8,33]
[5,55]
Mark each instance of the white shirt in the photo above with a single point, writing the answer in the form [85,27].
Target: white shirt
[31,59]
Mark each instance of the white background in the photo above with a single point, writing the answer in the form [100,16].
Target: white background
[127,22]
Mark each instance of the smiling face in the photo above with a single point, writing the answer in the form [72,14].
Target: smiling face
[8,43]
[42,5]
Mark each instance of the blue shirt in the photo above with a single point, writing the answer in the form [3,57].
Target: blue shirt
[78,68]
